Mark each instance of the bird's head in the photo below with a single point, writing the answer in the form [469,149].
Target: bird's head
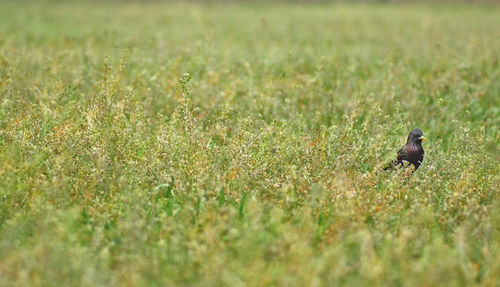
[416,136]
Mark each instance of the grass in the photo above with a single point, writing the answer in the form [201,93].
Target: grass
[241,144]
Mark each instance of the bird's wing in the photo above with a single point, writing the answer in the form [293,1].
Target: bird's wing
[402,154]
[399,159]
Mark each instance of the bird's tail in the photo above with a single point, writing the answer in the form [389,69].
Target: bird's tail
[391,165]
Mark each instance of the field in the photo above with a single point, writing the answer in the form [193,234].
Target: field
[226,144]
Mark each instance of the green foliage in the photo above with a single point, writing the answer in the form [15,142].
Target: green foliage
[239,144]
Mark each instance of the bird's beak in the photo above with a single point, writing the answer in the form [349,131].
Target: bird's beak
[422,138]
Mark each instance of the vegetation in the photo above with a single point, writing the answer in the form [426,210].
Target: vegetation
[235,144]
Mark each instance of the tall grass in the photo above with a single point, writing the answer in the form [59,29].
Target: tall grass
[241,144]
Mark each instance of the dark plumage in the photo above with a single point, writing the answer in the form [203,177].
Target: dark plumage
[411,152]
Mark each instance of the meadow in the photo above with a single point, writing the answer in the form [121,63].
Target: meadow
[226,144]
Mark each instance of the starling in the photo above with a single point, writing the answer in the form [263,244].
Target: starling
[411,152]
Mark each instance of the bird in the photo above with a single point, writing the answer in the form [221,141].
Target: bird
[412,152]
